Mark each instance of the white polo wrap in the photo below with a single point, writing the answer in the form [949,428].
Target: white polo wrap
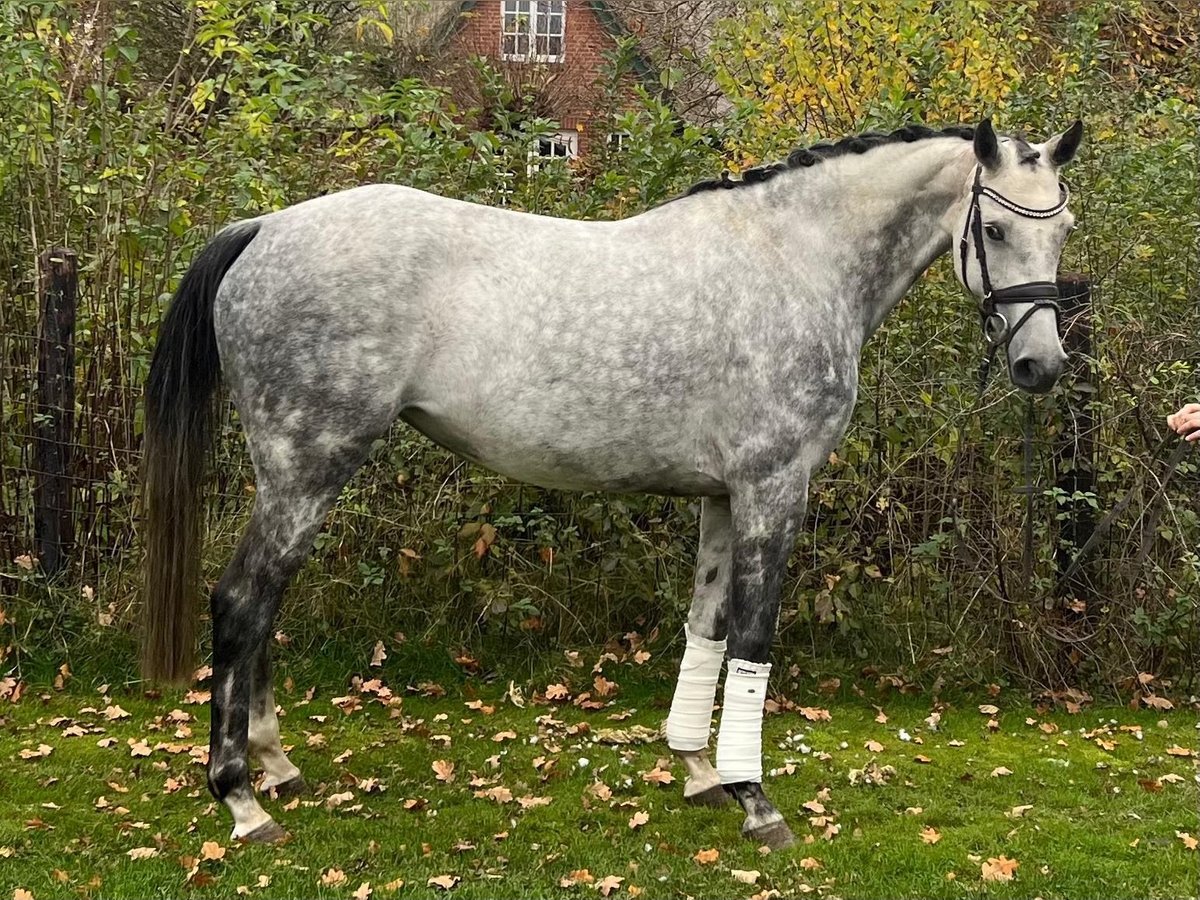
[691,709]
[739,743]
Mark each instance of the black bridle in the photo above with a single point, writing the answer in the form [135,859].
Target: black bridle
[1040,294]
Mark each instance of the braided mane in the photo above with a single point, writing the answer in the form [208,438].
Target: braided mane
[805,157]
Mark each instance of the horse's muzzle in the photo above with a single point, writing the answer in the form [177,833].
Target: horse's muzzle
[1035,374]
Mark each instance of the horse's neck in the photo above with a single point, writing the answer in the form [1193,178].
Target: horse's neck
[882,218]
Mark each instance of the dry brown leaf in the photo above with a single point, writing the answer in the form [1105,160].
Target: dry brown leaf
[142,853]
[1176,750]
[211,850]
[809,863]
[1001,770]
[534,802]
[1188,841]
[1018,811]
[746,876]
[501,736]
[638,819]
[707,857]
[378,654]
[557,692]
[813,714]
[930,835]
[579,876]
[608,884]
[989,709]
[394,885]
[999,868]
[332,877]
[42,751]
[1158,702]
[363,891]
[658,776]
[444,770]
[874,746]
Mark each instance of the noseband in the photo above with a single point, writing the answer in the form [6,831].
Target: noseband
[996,328]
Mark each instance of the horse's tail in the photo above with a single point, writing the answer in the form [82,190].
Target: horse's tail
[183,376]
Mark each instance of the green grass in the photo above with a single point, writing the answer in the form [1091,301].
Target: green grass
[1093,831]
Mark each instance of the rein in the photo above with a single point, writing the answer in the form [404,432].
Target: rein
[996,328]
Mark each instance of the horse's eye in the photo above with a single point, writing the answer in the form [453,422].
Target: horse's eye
[995,232]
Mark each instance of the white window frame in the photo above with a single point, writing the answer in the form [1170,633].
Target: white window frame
[617,140]
[535,14]
[567,139]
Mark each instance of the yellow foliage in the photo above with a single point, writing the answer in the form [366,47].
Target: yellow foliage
[830,67]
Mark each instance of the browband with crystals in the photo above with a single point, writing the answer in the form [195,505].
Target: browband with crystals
[1028,212]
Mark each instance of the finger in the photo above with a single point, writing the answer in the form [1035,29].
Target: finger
[1194,436]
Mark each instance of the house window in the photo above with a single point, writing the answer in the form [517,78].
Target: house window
[533,30]
[617,140]
[549,147]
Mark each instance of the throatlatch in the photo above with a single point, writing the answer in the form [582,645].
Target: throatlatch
[691,708]
[739,742]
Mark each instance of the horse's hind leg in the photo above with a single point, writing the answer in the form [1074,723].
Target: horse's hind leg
[690,718]
[288,510]
[281,777]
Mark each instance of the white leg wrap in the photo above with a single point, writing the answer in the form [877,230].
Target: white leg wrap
[739,744]
[691,708]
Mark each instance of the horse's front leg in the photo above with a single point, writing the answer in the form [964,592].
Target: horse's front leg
[766,516]
[690,719]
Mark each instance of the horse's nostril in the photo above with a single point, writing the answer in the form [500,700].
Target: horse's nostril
[1026,372]
[1030,374]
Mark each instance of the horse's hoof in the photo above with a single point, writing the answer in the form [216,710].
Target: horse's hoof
[775,835]
[713,796]
[267,833]
[293,787]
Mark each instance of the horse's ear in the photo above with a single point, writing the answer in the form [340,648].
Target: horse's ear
[1061,148]
[987,147]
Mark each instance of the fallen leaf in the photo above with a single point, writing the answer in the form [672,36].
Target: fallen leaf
[1171,751]
[500,736]
[211,850]
[332,877]
[444,770]
[42,751]
[815,715]
[557,692]
[363,892]
[930,835]
[579,876]
[638,819]
[874,746]
[1001,770]
[707,857]
[608,884]
[746,876]
[658,776]
[142,852]
[809,863]
[989,709]
[999,869]
[378,655]
[1188,841]
[1018,811]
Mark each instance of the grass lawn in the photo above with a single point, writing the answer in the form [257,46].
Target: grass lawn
[102,795]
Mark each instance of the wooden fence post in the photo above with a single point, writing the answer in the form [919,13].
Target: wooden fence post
[54,422]
[1075,453]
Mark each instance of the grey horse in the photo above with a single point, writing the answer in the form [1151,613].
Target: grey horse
[708,347]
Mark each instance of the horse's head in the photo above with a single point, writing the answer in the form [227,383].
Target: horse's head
[1012,224]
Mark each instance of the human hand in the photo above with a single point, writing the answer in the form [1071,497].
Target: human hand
[1186,422]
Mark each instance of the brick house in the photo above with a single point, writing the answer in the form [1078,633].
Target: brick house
[557,46]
